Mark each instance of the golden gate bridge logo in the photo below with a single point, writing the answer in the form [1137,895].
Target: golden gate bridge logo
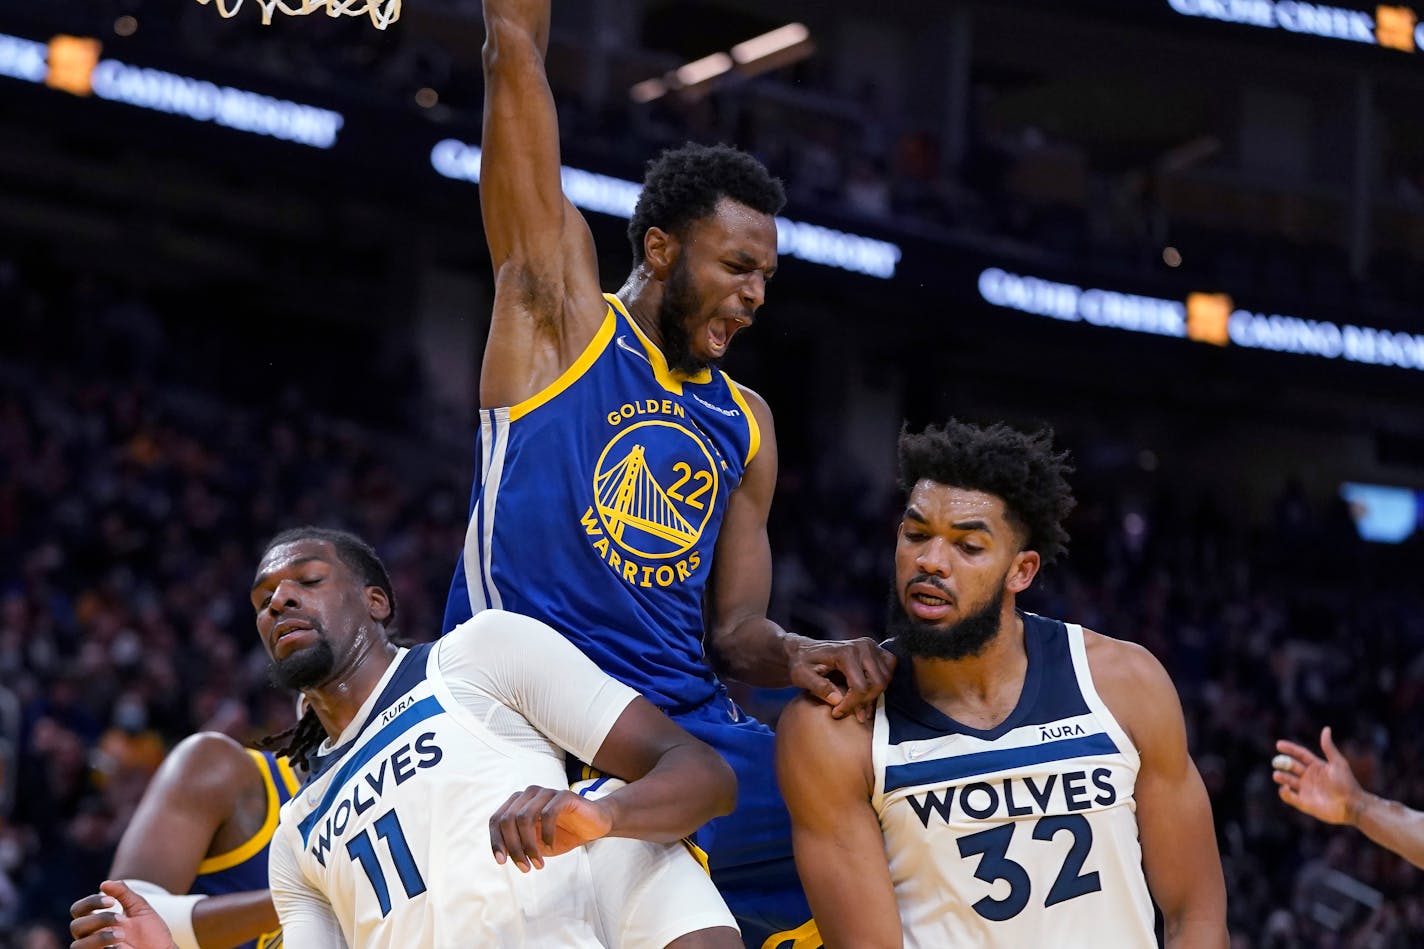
[659,490]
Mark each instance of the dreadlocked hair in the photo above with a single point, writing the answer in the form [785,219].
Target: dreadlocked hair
[297,743]
[1020,468]
[684,184]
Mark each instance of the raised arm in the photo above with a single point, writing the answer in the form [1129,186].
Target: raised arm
[190,810]
[547,303]
[747,646]
[1326,789]
[1174,822]
[823,767]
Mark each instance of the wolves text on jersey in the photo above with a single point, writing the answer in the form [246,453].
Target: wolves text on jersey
[1012,797]
[396,768]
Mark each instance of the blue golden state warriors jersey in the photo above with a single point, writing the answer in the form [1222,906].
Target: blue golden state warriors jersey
[1020,835]
[245,867]
[596,509]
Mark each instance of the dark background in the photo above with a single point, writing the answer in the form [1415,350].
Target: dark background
[210,335]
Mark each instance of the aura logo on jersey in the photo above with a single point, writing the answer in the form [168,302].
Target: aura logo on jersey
[654,488]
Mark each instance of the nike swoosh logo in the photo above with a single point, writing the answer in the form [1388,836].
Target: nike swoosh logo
[636,351]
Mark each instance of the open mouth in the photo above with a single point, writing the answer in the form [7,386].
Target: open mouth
[717,338]
[926,603]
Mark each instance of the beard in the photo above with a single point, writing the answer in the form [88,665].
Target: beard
[678,304]
[962,640]
[304,668]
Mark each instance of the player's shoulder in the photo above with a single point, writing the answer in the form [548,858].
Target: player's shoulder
[753,397]
[211,762]
[1132,682]
[754,400]
[494,643]
[493,626]
[1120,663]
[807,723]
[820,756]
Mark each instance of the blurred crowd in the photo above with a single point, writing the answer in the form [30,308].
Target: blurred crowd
[132,511]
[135,496]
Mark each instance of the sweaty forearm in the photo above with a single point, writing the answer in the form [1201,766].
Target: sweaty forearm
[755,651]
[689,786]
[234,918]
[527,18]
[1391,825]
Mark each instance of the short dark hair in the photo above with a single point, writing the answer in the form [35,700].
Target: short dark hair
[359,557]
[1018,467]
[684,184]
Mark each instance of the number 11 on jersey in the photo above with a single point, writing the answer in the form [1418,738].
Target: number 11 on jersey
[362,848]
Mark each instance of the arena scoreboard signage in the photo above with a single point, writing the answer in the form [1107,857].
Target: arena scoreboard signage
[1203,317]
[616,196]
[73,64]
[1388,25]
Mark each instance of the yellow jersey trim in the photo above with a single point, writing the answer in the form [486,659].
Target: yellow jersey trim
[669,380]
[289,777]
[805,936]
[570,375]
[698,854]
[254,844]
[753,429]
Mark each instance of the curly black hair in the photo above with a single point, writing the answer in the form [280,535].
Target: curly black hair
[684,184]
[305,737]
[1021,468]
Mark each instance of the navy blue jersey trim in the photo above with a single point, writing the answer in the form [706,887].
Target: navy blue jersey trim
[949,770]
[427,707]
[1047,696]
[408,674]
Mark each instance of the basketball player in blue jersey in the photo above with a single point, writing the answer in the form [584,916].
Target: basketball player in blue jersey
[1023,781]
[621,475]
[437,784]
[202,829]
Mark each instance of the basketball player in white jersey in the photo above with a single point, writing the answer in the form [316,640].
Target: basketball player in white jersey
[440,786]
[1023,782]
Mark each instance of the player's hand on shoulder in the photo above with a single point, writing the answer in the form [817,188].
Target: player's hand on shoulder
[543,822]
[847,675]
[811,727]
[117,917]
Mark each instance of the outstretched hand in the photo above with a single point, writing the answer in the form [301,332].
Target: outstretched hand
[96,925]
[1325,789]
[863,665]
[541,822]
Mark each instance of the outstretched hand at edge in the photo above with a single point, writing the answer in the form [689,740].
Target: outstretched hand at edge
[1325,789]
[96,924]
